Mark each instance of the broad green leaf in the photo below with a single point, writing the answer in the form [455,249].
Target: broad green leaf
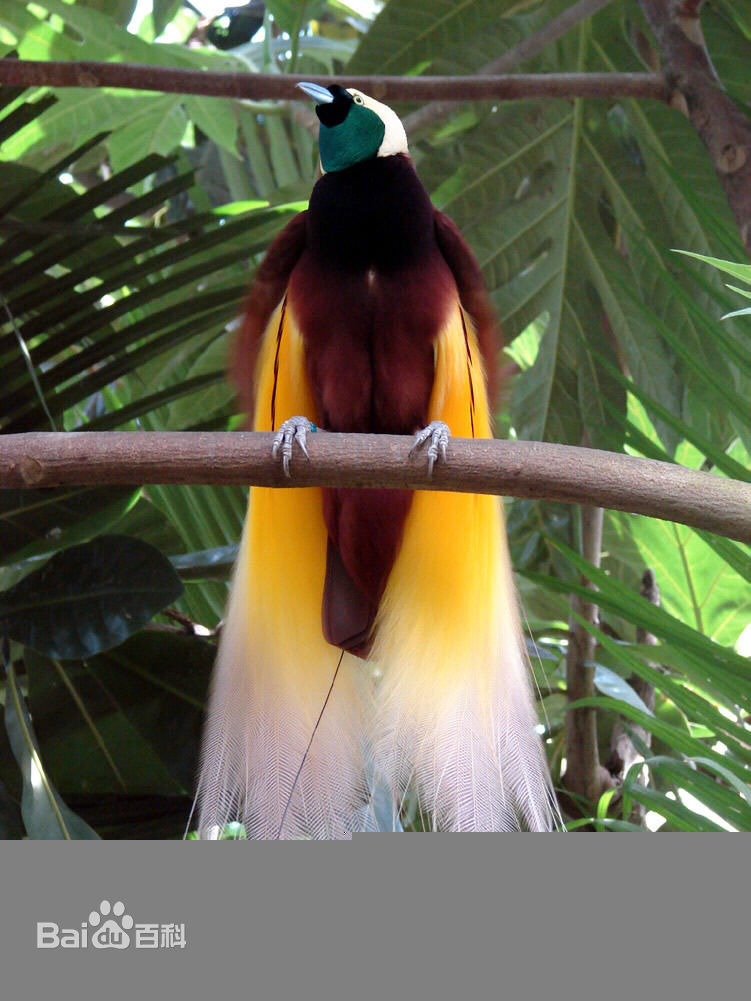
[696,584]
[89,598]
[156,127]
[162,12]
[645,429]
[39,521]
[215,398]
[145,521]
[216,117]
[729,48]
[408,34]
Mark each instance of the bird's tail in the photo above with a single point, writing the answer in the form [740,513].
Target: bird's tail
[456,720]
[270,682]
[457,717]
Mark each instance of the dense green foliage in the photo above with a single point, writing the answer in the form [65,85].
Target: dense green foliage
[130,223]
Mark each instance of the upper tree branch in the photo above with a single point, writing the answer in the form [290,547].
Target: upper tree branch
[724,130]
[517,54]
[282,86]
[515,468]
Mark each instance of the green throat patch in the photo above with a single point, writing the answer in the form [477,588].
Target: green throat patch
[356,139]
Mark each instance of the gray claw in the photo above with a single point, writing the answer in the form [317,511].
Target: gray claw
[439,435]
[294,429]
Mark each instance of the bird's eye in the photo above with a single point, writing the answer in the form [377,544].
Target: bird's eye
[357,99]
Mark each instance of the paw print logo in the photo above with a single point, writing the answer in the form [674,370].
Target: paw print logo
[112,926]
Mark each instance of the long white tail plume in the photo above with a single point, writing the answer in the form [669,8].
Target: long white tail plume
[267,691]
[456,714]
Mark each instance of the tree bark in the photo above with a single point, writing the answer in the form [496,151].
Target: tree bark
[623,752]
[697,92]
[283,86]
[528,47]
[585,776]
[514,468]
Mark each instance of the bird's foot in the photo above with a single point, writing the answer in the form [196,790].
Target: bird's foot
[294,429]
[438,434]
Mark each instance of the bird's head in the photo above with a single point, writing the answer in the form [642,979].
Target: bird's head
[354,127]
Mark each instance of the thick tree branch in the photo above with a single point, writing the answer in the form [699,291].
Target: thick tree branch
[282,86]
[515,468]
[585,776]
[723,129]
[511,58]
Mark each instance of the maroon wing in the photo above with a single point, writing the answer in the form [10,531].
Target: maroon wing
[265,294]
[473,297]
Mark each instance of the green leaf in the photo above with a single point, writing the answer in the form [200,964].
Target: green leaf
[157,126]
[612,684]
[696,583]
[215,398]
[162,13]
[11,820]
[674,737]
[693,704]
[89,598]
[608,823]
[743,291]
[40,521]
[737,312]
[205,518]
[408,34]
[208,564]
[742,271]
[45,815]
[640,611]
[129,718]
[682,430]
[293,15]
[730,803]
[217,118]
[673,810]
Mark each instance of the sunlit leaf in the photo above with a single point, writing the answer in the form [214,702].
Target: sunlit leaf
[45,815]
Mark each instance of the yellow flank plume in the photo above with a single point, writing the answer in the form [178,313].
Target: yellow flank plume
[442,592]
[287,534]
